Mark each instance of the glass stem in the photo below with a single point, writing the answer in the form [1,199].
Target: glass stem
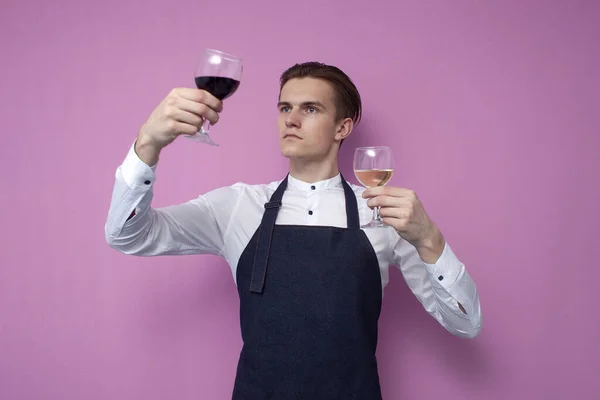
[376,216]
[205,126]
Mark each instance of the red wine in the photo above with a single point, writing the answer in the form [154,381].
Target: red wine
[218,86]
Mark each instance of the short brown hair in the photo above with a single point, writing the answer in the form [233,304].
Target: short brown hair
[347,98]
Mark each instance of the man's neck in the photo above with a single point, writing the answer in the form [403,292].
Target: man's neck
[313,171]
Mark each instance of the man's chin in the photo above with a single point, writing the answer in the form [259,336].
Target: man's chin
[288,154]
[289,151]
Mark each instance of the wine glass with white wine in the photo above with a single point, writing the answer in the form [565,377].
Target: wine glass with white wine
[373,166]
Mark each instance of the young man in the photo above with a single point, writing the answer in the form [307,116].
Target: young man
[310,280]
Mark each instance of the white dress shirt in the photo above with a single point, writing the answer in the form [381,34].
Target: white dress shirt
[222,222]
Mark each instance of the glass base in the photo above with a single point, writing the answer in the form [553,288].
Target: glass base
[375,223]
[202,137]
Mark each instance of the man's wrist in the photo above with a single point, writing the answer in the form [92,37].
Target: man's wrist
[146,150]
[431,247]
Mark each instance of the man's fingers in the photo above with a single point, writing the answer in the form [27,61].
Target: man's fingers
[200,96]
[184,110]
[183,128]
[400,214]
[399,224]
[388,201]
[189,105]
[188,118]
[388,191]
[208,113]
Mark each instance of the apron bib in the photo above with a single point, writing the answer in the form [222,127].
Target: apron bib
[310,300]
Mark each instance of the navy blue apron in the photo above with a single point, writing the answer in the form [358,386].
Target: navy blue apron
[310,300]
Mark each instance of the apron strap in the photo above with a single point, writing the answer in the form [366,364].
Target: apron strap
[265,232]
[352,217]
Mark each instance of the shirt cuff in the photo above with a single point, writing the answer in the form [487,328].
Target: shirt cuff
[447,268]
[135,172]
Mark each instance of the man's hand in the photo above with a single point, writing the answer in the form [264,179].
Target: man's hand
[402,209]
[182,112]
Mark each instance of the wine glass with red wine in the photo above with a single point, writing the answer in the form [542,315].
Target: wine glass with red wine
[373,166]
[219,74]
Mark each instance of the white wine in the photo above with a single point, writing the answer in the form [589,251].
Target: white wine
[373,177]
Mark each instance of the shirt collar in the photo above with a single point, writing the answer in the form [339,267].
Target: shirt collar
[330,183]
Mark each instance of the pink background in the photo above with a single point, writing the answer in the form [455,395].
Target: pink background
[491,108]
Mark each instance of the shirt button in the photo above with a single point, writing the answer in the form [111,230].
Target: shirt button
[313,188]
[440,278]
[147,182]
[310,212]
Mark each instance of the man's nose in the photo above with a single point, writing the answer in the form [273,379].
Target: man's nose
[293,119]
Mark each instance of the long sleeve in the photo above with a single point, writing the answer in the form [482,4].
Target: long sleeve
[440,287]
[194,227]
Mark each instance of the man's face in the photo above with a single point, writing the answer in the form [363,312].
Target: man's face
[307,119]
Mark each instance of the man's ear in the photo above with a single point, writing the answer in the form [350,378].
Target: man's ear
[344,129]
